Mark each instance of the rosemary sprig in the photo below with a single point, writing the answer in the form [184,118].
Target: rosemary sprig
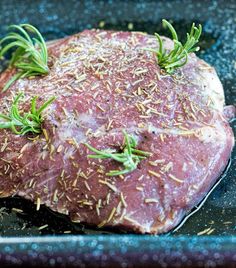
[30,56]
[178,56]
[130,157]
[28,122]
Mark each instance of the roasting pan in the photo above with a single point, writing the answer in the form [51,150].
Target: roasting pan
[44,238]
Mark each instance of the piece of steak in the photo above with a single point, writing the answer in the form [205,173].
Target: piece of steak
[105,82]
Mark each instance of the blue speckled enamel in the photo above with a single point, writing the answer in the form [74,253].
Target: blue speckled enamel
[56,19]
[119,251]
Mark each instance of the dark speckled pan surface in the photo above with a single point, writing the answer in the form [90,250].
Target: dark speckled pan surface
[216,219]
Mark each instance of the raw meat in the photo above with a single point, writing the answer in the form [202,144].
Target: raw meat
[105,82]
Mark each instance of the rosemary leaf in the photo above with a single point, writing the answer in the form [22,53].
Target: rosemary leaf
[30,56]
[22,124]
[178,56]
[130,157]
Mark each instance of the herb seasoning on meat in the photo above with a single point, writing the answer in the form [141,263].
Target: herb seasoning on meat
[106,82]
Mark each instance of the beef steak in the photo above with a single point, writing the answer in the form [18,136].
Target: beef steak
[106,82]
